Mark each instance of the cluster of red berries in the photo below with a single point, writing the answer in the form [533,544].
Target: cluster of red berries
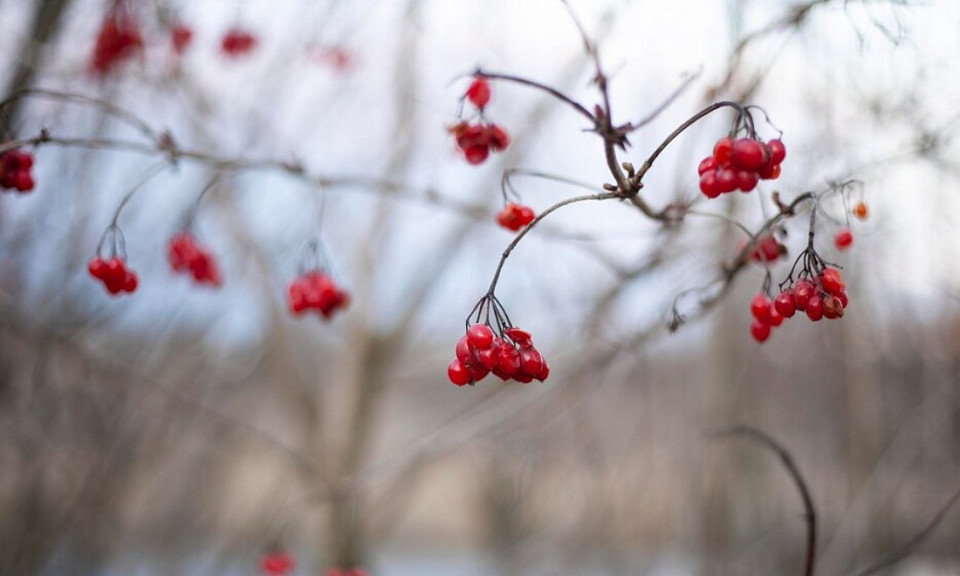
[119,39]
[515,216]
[511,355]
[15,168]
[345,572]
[277,563]
[317,291]
[114,274]
[477,140]
[740,164]
[820,296]
[237,42]
[189,257]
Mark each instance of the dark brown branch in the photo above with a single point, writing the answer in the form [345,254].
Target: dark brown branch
[543,87]
[794,472]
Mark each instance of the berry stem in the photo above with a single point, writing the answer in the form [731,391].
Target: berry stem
[147,176]
[543,87]
[534,222]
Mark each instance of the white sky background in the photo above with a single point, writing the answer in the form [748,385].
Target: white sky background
[279,105]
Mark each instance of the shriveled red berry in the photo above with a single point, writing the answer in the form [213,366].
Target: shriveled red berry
[479,92]
[814,308]
[832,281]
[520,337]
[832,308]
[509,362]
[480,336]
[843,298]
[759,330]
[785,304]
[843,239]
[760,307]
[498,138]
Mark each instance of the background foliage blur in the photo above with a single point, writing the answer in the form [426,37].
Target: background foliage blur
[183,430]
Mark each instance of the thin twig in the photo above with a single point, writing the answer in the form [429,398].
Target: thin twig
[794,472]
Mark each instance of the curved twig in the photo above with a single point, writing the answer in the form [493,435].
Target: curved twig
[795,475]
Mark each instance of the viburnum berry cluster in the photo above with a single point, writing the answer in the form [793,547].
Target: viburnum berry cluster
[277,562]
[477,138]
[819,292]
[506,351]
[188,257]
[515,216]
[119,39]
[237,42]
[114,274]
[316,291]
[739,163]
[112,269]
[15,166]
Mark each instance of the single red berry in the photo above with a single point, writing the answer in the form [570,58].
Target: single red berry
[479,92]
[746,180]
[708,164]
[237,42]
[760,307]
[843,298]
[181,36]
[843,239]
[832,281]
[523,377]
[785,304]
[480,336]
[509,361]
[748,154]
[457,373]
[464,350]
[476,154]
[770,172]
[520,337]
[709,185]
[832,307]
[775,318]
[477,370]
[723,152]
[814,308]
[526,215]
[130,281]
[531,362]
[544,371]
[97,267]
[727,180]
[759,330]
[498,137]
[803,291]
[777,151]
[278,563]
[490,357]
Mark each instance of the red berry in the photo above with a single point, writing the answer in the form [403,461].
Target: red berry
[531,362]
[708,164]
[709,185]
[832,281]
[843,298]
[277,563]
[723,151]
[843,239]
[490,357]
[479,92]
[814,308]
[526,215]
[498,137]
[119,39]
[775,318]
[746,180]
[237,42]
[544,371]
[464,350]
[777,151]
[180,36]
[480,336]
[509,361]
[760,308]
[520,337]
[97,267]
[457,373]
[832,307]
[476,154]
[748,154]
[759,330]
[803,291]
[23,181]
[130,281]
[785,305]
[726,180]
[770,172]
